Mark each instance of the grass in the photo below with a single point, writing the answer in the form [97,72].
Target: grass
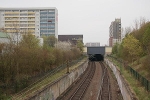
[135,86]
[46,81]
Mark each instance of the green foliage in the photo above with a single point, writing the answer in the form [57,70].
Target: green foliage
[29,41]
[50,41]
[132,46]
[20,63]
[135,44]
[146,40]
[115,49]
[80,45]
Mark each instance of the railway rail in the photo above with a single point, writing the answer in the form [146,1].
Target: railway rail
[78,89]
[76,92]
[104,93]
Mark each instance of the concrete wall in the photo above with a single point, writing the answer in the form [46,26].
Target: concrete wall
[85,50]
[108,50]
[53,90]
[125,91]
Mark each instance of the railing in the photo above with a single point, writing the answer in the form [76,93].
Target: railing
[144,82]
[140,78]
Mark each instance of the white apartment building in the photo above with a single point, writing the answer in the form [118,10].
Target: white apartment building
[42,21]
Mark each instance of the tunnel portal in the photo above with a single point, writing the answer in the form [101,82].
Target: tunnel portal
[96,53]
[96,57]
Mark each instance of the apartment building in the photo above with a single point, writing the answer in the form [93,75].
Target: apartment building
[115,32]
[42,21]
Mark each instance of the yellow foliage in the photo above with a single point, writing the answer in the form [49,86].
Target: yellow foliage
[132,45]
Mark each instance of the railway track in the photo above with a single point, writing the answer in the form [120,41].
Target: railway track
[77,91]
[104,93]
[78,94]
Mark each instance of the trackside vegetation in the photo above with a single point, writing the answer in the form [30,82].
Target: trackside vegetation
[134,50]
[24,62]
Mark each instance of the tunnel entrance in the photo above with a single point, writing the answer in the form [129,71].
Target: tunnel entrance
[96,57]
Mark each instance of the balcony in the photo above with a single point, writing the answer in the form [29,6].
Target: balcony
[11,15]
[12,12]
[31,19]
[12,31]
[31,30]
[31,12]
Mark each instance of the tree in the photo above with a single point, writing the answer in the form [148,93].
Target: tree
[65,46]
[29,41]
[146,40]
[115,49]
[133,46]
[80,45]
[50,41]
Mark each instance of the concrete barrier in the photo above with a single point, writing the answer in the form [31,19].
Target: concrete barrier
[125,91]
[53,90]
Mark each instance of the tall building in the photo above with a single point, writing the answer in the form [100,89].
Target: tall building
[41,21]
[115,32]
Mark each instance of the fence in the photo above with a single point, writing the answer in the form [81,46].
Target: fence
[144,82]
[140,78]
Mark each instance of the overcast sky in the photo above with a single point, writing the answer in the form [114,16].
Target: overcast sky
[91,18]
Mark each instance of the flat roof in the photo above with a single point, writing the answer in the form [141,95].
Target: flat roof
[27,8]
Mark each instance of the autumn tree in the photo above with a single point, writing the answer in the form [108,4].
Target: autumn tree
[133,46]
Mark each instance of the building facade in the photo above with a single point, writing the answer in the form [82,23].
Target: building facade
[115,32]
[93,44]
[37,21]
[70,38]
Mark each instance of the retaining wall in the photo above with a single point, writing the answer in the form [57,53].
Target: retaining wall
[125,91]
[53,90]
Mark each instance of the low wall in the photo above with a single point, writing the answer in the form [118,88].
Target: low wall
[125,91]
[53,90]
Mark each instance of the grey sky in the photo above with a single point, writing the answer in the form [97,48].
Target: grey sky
[91,18]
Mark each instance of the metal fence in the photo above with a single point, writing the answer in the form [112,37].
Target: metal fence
[144,82]
[140,78]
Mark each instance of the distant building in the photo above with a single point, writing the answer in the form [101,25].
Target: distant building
[71,38]
[42,21]
[92,44]
[115,32]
